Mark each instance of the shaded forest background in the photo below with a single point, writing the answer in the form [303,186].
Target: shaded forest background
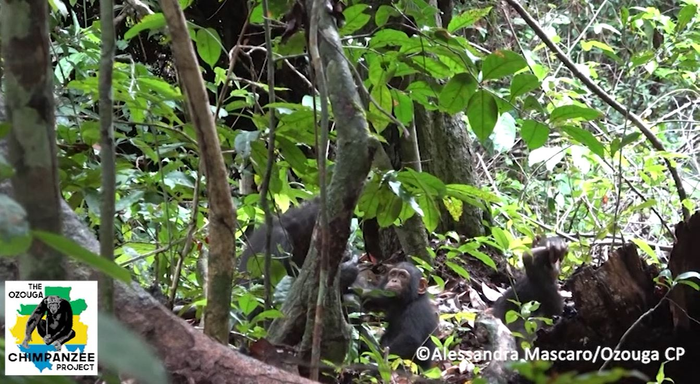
[490,138]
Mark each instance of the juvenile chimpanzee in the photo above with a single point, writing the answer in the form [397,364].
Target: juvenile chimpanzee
[411,316]
[539,283]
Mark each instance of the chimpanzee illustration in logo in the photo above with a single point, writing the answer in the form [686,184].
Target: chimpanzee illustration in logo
[57,328]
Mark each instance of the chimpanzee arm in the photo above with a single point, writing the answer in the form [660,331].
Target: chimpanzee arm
[404,345]
[34,319]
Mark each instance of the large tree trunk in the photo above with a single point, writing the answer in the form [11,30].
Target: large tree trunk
[352,165]
[446,148]
[29,81]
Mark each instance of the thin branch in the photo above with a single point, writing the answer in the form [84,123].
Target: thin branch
[264,188]
[322,148]
[107,153]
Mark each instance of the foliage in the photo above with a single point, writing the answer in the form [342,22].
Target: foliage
[553,155]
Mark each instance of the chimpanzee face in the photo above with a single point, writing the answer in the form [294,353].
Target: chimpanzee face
[398,281]
[53,307]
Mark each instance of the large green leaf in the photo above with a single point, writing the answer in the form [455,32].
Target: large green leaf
[467,19]
[573,112]
[482,112]
[534,133]
[121,350]
[523,83]
[149,22]
[456,93]
[355,18]
[586,138]
[502,63]
[76,251]
[209,45]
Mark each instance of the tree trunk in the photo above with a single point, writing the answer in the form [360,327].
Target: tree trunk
[352,165]
[30,113]
[445,147]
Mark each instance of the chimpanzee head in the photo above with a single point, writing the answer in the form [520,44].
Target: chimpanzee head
[544,263]
[406,281]
[54,303]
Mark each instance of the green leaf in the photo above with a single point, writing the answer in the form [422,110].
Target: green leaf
[501,237]
[534,133]
[59,7]
[523,83]
[391,211]
[149,22]
[388,37]
[6,169]
[382,96]
[15,237]
[689,275]
[502,63]
[209,45]
[458,269]
[355,18]
[484,258]
[431,213]
[384,13]
[121,350]
[644,246]
[467,19]
[431,67]
[71,248]
[247,303]
[456,93]
[685,15]
[571,112]
[403,107]
[482,112]
[586,138]
[422,93]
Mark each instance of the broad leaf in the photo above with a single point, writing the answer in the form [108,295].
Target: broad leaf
[456,93]
[71,248]
[586,138]
[502,63]
[572,112]
[534,133]
[482,112]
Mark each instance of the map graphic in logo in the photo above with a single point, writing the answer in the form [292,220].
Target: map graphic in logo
[50,328]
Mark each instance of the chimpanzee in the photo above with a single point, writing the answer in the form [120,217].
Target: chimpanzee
[57,329]
[411,316]
[539,283]
[291,234]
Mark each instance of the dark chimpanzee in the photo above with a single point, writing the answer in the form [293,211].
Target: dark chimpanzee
[539,283]
[57,329]
[291,235]
[411,316]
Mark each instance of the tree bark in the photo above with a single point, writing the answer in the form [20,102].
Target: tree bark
[222,213]
[30,112]
[351,168]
